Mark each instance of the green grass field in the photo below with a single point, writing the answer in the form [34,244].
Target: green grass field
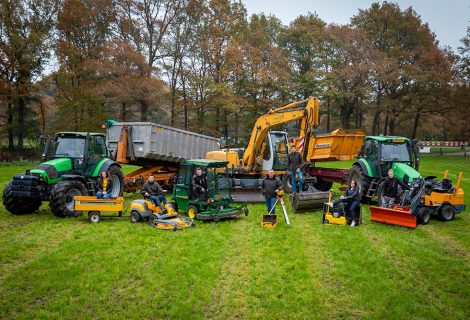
[55,268]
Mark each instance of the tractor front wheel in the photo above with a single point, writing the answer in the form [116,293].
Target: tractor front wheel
[62,197]
[17,205]
[363,181]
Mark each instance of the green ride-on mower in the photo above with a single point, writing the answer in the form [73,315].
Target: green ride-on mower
[217,202]
[73,164]
[379,154]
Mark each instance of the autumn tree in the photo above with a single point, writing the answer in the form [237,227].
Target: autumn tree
[25,42]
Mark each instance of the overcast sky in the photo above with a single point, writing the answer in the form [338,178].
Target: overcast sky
[447,19]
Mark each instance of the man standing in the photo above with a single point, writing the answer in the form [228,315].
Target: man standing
[199,184]
[294,161]
[391,189]
[270,186]
[152,190]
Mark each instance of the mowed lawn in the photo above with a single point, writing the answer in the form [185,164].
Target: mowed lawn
[70,269]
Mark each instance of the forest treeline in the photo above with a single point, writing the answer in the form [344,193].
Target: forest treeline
[208,67]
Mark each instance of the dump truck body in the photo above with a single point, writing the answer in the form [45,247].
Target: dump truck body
[156,148]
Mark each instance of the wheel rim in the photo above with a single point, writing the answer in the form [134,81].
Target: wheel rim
[426,217]
[116,185]
[191,213]
[447,213]
[95,217]
[71,194]
[134,217]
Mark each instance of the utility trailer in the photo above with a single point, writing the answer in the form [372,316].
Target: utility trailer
[156,148]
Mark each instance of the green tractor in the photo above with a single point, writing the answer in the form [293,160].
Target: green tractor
[218,203]
[73,164]
[379,154]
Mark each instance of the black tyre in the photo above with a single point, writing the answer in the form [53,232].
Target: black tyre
[323,185]
[216,218]
[380,194]
[94,216]
[117,177]
[62,194]
[363,181]
[17,205]
[424,215]
[135,216]
[286,183]
[446,213]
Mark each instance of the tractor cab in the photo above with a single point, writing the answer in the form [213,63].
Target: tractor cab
[215,202]
[79,151]
[382,153]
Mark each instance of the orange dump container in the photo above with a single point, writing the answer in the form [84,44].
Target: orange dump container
[340,144]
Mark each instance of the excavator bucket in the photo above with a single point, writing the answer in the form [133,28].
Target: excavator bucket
[400,216]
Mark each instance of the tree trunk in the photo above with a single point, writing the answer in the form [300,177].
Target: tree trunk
[123,112]
[415,125]
[185,105]
[226,125]
[328,114]
[387,118]
[144,108]
[173,109]
[21,114]
[11,145]
[392,125]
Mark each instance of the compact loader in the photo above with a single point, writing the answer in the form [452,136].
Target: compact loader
[427,197]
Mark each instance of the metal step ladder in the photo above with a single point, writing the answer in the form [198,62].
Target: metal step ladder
[372,188]
[91,188]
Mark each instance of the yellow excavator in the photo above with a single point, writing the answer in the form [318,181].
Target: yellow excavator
[268,149]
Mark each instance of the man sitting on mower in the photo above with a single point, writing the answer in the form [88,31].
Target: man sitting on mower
[391,189]
[152,190]
[199,182]
[352,198]
[105,186]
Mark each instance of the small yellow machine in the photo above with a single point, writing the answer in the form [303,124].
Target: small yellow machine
[169,219]
[270,220]
[337,214]
[95,207]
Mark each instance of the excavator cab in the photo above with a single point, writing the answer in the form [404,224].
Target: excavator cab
[275,153]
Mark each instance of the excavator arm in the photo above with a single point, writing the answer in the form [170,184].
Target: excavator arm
[305,110]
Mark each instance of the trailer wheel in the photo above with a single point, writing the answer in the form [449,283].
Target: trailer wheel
[424,215]
[286,183]
[323,185]
[135,216]
[446,213]
[94,216]
[216,218]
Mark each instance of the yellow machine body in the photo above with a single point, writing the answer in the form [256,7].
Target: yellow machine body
[437,198]
[269,221]
[90,203]
[169,220]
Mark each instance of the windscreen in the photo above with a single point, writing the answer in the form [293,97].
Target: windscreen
[72,147]
[279,146]
[218,184]
[395,152]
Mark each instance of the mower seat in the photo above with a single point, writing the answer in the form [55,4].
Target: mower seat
[445,186]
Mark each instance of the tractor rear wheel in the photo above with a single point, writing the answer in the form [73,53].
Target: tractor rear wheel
[117,177]
[62,197]
[17,205]
[446,213]
[363,181]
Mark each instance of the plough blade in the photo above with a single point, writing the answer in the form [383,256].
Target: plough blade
[398,216]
